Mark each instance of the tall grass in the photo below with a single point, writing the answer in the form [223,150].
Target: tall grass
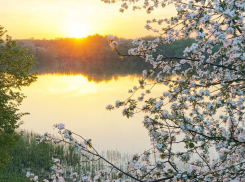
[31,156]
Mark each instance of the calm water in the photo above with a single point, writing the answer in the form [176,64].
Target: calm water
[80,105]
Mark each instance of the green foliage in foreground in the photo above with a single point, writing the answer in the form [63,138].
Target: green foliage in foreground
[14,74]
[13,177]
[31,156]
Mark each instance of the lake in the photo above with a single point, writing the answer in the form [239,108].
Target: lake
[80,105]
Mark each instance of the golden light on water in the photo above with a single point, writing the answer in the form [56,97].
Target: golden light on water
[63,85]
[80,105]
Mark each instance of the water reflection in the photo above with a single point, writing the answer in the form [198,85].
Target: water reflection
[93,77]
[80,105]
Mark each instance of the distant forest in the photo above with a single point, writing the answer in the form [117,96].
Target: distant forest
[91,56]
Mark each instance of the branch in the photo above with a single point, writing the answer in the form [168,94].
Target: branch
[100,157]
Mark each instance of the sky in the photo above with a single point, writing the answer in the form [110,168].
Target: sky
[50,19]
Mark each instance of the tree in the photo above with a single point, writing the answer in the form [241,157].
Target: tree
[202,111]
[14,74]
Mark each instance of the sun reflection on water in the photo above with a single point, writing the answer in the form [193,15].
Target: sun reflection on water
[80,105]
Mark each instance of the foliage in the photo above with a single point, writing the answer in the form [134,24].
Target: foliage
[201,110]
[13,177]
[14,74]
[28,154]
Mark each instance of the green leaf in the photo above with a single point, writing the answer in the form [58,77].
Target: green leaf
[191,145]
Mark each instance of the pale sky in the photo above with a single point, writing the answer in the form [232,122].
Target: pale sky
[73,18]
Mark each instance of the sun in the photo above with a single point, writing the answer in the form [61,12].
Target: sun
[77,30]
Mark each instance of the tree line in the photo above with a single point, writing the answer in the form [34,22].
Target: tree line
[92,56]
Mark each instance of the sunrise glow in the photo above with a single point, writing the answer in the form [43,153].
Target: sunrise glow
[50,19]
[77,30]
